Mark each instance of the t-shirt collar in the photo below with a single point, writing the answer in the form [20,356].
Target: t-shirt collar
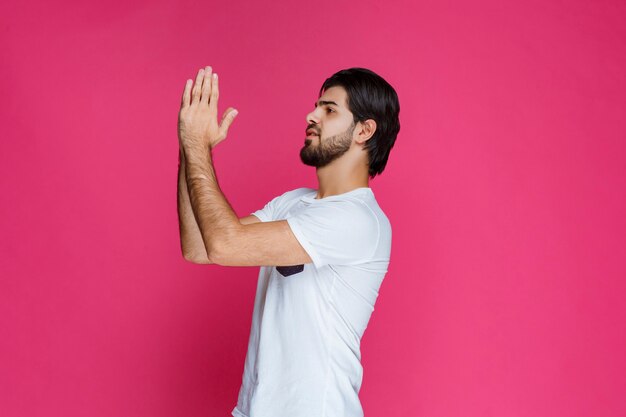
[310,196]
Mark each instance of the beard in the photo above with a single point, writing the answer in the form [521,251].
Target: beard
[328,150]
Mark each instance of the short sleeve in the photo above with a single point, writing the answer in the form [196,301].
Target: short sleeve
[340,232]
[266,214]
[271,210]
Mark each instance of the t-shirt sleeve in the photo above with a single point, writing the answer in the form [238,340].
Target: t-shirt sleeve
[337,232]
[266,213]
[271,210]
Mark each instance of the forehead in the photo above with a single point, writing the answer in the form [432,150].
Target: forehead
[337,94]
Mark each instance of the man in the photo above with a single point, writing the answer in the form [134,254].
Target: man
[323,253]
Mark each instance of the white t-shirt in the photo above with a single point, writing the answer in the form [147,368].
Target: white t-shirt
[304,357]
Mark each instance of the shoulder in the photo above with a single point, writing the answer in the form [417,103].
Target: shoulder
[280,205]
[377,211]
[343,231]
[346,215]
[297,192]
[291,195]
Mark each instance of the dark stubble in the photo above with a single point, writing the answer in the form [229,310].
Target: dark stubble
[327,150]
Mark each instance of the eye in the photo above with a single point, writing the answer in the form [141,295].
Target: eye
[329,110]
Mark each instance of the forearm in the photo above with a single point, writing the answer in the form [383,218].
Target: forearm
[214,215]
[192,245]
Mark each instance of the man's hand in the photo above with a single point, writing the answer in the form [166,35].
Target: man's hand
[197,119]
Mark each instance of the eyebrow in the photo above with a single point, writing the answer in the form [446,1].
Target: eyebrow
[325,103]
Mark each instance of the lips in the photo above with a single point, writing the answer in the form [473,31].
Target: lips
[311,132]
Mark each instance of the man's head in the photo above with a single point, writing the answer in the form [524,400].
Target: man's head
[355,106]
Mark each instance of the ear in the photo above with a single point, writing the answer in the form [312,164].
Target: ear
[365,130]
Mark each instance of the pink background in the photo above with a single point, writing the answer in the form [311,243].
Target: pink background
[505,190]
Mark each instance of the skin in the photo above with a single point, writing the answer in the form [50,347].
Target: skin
[219,236]
[338,153]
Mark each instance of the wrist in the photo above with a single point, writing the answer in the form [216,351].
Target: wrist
[196,153]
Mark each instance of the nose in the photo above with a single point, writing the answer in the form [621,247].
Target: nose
[312,118]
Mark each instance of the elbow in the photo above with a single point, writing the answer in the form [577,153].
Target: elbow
[220,248]
[213,258]
[196,259]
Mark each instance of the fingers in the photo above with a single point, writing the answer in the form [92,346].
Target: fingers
[215,93]
[195,93]
[206,85]
[186,94]
[205,90]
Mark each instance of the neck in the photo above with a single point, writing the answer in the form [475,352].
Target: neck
[341,175]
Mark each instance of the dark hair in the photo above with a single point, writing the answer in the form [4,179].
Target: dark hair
[370,97]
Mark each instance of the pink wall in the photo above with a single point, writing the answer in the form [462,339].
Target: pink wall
[506,192]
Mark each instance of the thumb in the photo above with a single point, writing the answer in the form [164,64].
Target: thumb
[227,119]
